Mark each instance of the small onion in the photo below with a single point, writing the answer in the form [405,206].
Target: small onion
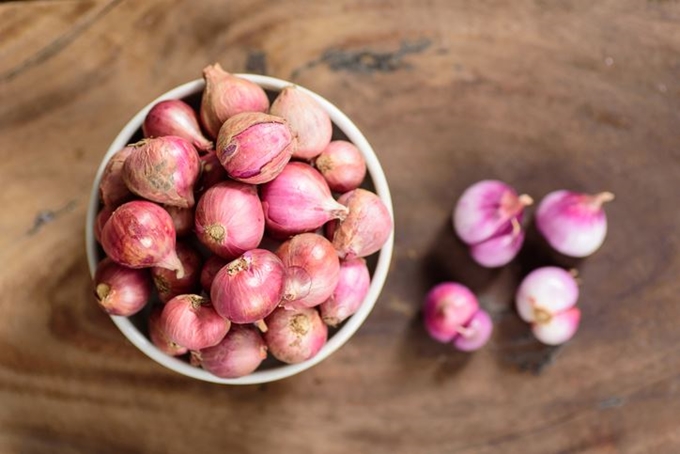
[254,147]
[211,267]
[112,188]
[295,335]
[141,234]
[226,95]
[312,270]
[573,223]
[298,201]
[487,208]
[120,290]
[182,219]
[366,228]
[191,321]
[175,118]
[342,165]
[448,306]
[240,353]
[212,172]
[158,336]
[229,219]
[546,299]
[353,284]
[163,170]
[168,284]
[249,288]
[307,119]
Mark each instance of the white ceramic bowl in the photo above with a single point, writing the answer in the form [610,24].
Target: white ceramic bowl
[343,334]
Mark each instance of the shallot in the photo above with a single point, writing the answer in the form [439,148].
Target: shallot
[229,219]
[226,95]
[573,223]
[112,188]
[168,284]
[353,284]
[163,170]
[212,265]
[141,234]
[191,321]
[240,353]
[212,172]
[487,217]
[295,335]
[342,165]
[546,298]
[158,336]
[308,120]
[249,288]
[120,290]
[254,147]
[175,118]
[312,270]
[298,201]
[448,306]
[366,228]
[182,219]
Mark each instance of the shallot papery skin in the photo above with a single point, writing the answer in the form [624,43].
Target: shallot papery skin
[229,219]
[158,336]
[163,170]
[168,284]
[226,95]
[366,228]
[342,165]
[307,119]
[182,219]
[298,200]
[99,222]
[175,118]
[191,321]
[240,353]
[501,248]
[254,147]
[573,223]
[250,287]
[140,234]
[448,306]
[485,209]
[546,298]
[475,333]
[353,284]
[112,188]
[295,335]
[120,290]
[312,270]
[212,265]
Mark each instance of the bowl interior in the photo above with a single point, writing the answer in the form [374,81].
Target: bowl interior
[134,327]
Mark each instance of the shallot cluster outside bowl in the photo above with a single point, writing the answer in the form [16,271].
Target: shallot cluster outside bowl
[134,328]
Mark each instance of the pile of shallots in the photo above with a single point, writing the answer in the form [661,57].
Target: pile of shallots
[488,219]
[240,238]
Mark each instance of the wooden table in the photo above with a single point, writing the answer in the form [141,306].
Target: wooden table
[542,94]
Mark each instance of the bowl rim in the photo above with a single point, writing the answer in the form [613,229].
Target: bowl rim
[350,326]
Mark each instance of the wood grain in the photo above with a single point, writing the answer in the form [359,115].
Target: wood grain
[544,95]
